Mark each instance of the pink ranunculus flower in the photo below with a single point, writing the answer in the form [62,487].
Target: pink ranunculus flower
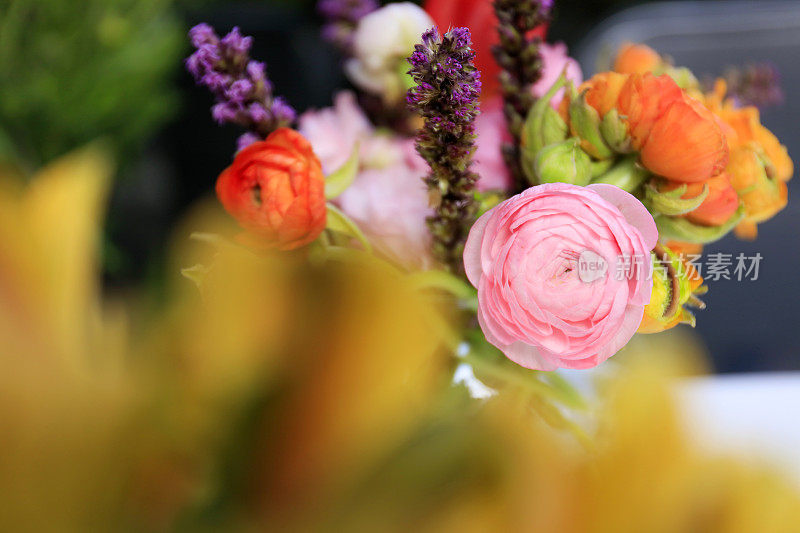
[563,273]
[555,59]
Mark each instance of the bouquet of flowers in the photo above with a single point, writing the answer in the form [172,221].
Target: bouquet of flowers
[554,217]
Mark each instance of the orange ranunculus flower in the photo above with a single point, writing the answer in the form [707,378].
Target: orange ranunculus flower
[759,165]
[718,207]
[602,91]
[677,136]
[637,59]
[685,143]
[276,190]
[762,195]
[644,99]
[720,204]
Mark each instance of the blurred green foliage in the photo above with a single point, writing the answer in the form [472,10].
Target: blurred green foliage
[75,70]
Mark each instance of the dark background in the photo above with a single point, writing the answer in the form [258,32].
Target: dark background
[749,325]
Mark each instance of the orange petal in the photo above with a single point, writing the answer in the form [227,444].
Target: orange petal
[685,143]
[720,204]
[643,100]
[602,91]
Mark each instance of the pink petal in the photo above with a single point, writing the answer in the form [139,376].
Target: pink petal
[632,209]
[472,249]
[528,356]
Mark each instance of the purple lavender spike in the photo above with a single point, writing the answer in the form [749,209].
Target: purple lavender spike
[240,86]
[446,95]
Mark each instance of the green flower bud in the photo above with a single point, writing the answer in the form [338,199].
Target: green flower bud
[563,162]
[628,175]
[585,123]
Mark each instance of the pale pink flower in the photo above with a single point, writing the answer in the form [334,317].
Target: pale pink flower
[391,206]
[387,199]
[335,131]
[555,59]
[563,273]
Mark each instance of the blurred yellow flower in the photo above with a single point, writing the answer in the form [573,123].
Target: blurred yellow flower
[288,394]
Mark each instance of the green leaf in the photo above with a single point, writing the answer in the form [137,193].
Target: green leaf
[342,178]
[341,223]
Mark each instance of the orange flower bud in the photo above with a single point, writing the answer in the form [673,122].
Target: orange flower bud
[763,196]
[718,206]
[744,128]
[276,190]
[637,59]
[677,136]
[643,100]
[685,143]
[602,91]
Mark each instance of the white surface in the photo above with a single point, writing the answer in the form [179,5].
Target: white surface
[752,415]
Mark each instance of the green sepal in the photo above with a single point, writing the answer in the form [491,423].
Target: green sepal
[628,175]
[670,203]
[544,125]
[563,162]
[585,122]
[615,132]
[683,77]
[680,229]
[601,167]
[343,177]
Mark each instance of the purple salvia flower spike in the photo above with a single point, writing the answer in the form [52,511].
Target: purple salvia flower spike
[240,86]
[446,96]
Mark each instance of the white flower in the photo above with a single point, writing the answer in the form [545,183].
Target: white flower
[381,44]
